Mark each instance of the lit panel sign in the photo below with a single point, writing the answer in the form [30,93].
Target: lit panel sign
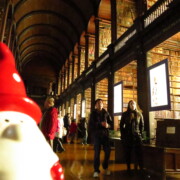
[159,92]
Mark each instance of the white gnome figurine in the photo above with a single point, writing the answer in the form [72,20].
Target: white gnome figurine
[24,152]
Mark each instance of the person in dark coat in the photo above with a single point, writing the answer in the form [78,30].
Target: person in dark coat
[131,128]
[67,123]
[83,130]
[99,124]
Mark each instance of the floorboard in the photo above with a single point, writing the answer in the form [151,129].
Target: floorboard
[77,162]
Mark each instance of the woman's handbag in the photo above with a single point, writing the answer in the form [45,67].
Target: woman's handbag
[64,131]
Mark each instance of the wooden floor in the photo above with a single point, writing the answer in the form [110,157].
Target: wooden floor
[77,162]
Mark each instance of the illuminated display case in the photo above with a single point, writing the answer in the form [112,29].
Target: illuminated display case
[118,98]
[159,92]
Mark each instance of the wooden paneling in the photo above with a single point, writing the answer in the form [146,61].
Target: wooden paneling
[163,162]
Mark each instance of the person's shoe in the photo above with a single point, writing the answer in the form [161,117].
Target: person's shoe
[107,172]
[60,151]
[96,174]
[63,150]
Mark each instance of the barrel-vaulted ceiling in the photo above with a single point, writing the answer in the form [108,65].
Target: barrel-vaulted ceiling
[49,29]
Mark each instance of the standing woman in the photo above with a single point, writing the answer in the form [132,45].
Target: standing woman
[49,120]
[131,127]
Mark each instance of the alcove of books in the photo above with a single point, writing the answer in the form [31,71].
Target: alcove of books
[169,50]
[104,35]
[82,59]
[128,76]
[102,91]
[66,75]
[87,95]
[78,107]
[70,70]
[72,107]
[91,50]
[67,107]
[126,13]
[62,79]
[75,67]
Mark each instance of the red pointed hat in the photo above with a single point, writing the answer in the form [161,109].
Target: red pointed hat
[12,90]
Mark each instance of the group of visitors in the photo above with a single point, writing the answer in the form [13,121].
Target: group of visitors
[53,125]
[131,128]
[73,127]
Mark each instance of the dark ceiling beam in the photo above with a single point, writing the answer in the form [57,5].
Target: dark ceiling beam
[49,25]
[78,10]
[60,16]
[95,4]
[49,58]
[45,36]
[42,44]
[55,59]
[19,3]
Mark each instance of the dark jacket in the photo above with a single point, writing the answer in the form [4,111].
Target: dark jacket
[66,120]
[82,126]
[95,127]
[131,126]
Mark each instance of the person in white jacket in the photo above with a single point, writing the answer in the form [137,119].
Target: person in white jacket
[57,145]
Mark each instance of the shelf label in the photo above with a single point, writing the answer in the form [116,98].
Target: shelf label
[170,130]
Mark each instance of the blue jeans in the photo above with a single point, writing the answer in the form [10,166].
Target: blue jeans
[98,142]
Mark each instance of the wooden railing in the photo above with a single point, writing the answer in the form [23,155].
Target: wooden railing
[148,18]
[156,10]
[152,14]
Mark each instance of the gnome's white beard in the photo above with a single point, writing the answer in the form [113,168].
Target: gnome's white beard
[24,152]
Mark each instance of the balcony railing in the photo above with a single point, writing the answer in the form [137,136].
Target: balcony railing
[148,18]
[155,11]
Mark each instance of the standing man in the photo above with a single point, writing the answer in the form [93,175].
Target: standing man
[99,124]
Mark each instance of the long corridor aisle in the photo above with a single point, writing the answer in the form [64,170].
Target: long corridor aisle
[77,162]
